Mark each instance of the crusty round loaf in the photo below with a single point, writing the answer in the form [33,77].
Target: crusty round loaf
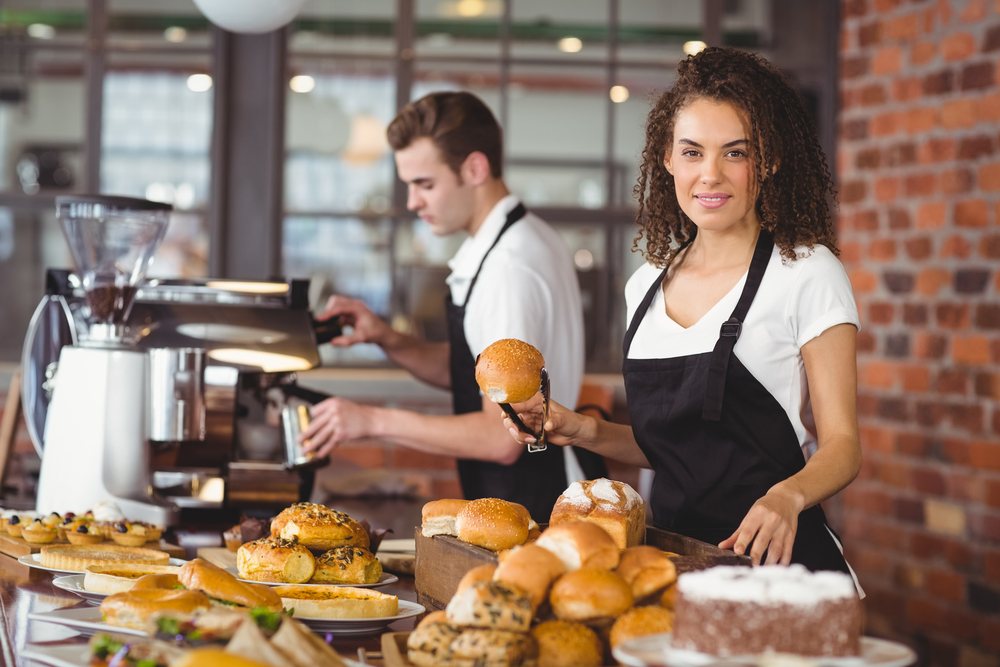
[509,371]
[118,577]
[531,569]
[614,506]
[647,570]
[492,523]
[437,517]
[318,527]
[641,621]
[567,644]
[580,544]
[276,560]
[490,604]
[138,609]
[337,602]
[590,594]
[479,573]
[347,565]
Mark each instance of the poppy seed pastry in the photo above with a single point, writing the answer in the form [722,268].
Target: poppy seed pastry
[318,527]
[509,371]
[614,506]
[730,610]
[347,565]
[276,560]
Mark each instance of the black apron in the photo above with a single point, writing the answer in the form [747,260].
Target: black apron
[715,437]
[534,480]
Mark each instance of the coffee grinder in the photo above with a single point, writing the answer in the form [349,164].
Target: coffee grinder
[96,427]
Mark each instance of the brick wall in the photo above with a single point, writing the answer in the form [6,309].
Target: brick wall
[919,169]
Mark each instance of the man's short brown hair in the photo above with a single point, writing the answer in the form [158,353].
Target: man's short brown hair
[458,123]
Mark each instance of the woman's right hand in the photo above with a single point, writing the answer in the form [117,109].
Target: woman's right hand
[564,426]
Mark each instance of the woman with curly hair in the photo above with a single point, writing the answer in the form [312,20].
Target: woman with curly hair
[740,366]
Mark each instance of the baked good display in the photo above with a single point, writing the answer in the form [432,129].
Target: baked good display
[567,644]
[38,532]
[76,557]
[275,559]
[201,575]
[531,569]
[17,521]
[492,523]
[81,531]
[491,648]
[429,645]
[347,565]
[139,609]
[581,544]
[647,570]
[614,506]
[731,610]
[590,594]
[337,601]
[639,622]
[509,371]
[479,573]
[318,527]
[437,517]
[128,533]
[116,578]
[491,604]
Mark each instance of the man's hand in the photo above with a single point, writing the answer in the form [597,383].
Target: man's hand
[770,526]
[334,421]
[366,327]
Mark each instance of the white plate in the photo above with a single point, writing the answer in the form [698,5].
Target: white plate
[35,561]
[75,655]
[85,620]
[384,580]
[73,583]
[361,626]
[657,650]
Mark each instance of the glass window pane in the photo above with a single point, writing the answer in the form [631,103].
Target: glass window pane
[747,24]
[421,269]
[144,25]
[345,27]
[654,31]
[572,31]
[59,23]
[458,28]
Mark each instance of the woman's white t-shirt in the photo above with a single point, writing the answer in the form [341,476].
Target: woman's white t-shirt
[796,302]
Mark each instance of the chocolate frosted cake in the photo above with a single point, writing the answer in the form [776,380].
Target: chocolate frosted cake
[729,610]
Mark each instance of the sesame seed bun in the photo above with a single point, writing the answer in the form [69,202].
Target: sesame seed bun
[509,371]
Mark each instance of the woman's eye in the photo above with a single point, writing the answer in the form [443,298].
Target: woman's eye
[689,153]
[737,154]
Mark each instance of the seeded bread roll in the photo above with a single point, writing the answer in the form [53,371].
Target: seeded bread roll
[532,569]
[581,544]
[492,605]
[479,573]
[429,645]
[590,594]
[347,565]
[493,524]
[641,621]
[614,506]
[647,570]
[509,371]
[438,516]
[567,644]
[275,560]
[492,648]
[318,527]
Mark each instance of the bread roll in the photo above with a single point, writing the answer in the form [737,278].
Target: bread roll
[580,544]
[590,594]
[612,505]
[139,609]
[337,602]
[493,524]
[318,527]
[439,616]
[438,516]
[347,565]
[509,371]
[492,648]
[479,573]
[429,645]
[641,621]
[647,570]
[201,575]
[567,644]
[669,597]
[167,581]
[275,559]
[531,569]
[490,604]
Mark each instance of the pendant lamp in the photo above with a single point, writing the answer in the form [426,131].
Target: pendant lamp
[252,16]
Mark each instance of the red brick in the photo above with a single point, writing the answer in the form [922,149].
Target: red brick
[973,148]
[877,439]
[985,455]
[930,281]
[882,250]
[853,191]
[956,181]
[922,53]
[915,313]
[931,215]
[989,633]
[942,549]
[954,450]
[919,248]
[887,188]
[988,316]
[447,488]
[916,378]
[985,526]
[953,315]
[938,149]
[949,586]
[863,281]
[886,124]
[988,177]
[989,108]
[850,251]
[976,76]
[967,417]
[404,457]
[958,247]
[958,46]
[929,346]
[971,213]
[872,95]
[881,312]
[974,11]
[899,219]
[907,89]
[959,114]
[921,120]
[902,28]
[886,6]
[920,185]
[952,381]
[991,562]
[887,60]
[876,374]
[970,350]
[966,486]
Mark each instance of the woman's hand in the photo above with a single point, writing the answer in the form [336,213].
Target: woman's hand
[769,527]
[564,427]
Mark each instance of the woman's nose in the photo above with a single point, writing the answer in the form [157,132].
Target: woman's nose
[710,172]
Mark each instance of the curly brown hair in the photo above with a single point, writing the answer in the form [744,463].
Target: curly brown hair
[793,203]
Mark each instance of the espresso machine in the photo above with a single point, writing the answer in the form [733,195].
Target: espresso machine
[161,395]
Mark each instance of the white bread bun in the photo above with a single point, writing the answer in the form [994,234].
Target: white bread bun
[438,516]
[479,573]
[275,559]
[641,621]
[614,506]
[492,605]
[139,609]
[509,371]
[647,570]
[493,524]
[213,581]
[590,594]
[117,578]
[337,601]
[567,644]
[531,569]
[580,544]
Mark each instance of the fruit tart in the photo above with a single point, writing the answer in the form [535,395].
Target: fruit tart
[129,534]
[81,531]
[37,532]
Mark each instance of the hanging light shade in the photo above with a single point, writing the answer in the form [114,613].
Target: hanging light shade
[253,16]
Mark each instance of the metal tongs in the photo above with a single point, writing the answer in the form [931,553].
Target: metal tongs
[539,444]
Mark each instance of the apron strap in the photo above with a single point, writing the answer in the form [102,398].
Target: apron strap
[515,214]
[730,331]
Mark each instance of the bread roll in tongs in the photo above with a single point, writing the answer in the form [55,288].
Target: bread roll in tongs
[512,371]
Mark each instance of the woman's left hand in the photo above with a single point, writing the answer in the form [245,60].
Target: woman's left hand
[769,527]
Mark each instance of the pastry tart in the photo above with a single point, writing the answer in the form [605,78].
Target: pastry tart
[313,601]
[79,556]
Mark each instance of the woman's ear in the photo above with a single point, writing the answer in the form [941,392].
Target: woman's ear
[668,164]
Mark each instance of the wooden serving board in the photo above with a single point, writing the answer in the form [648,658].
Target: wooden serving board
[18,546]
[394,649]
[220,556]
